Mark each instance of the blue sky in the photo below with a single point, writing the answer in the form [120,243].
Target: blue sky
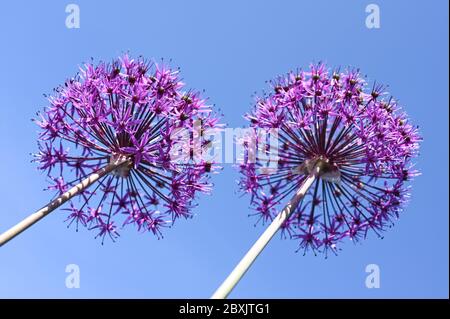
[229,49]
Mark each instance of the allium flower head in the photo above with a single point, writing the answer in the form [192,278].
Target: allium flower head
[128,110]
[359,137]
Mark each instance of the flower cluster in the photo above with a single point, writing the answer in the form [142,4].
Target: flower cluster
[134,109]
[362,135]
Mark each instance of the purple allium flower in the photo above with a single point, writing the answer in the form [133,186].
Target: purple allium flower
[127,110]
[358,135]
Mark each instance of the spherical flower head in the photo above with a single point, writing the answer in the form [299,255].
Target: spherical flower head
[360,138]
[134,110]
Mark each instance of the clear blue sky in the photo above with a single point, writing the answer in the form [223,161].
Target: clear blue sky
[228,48]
